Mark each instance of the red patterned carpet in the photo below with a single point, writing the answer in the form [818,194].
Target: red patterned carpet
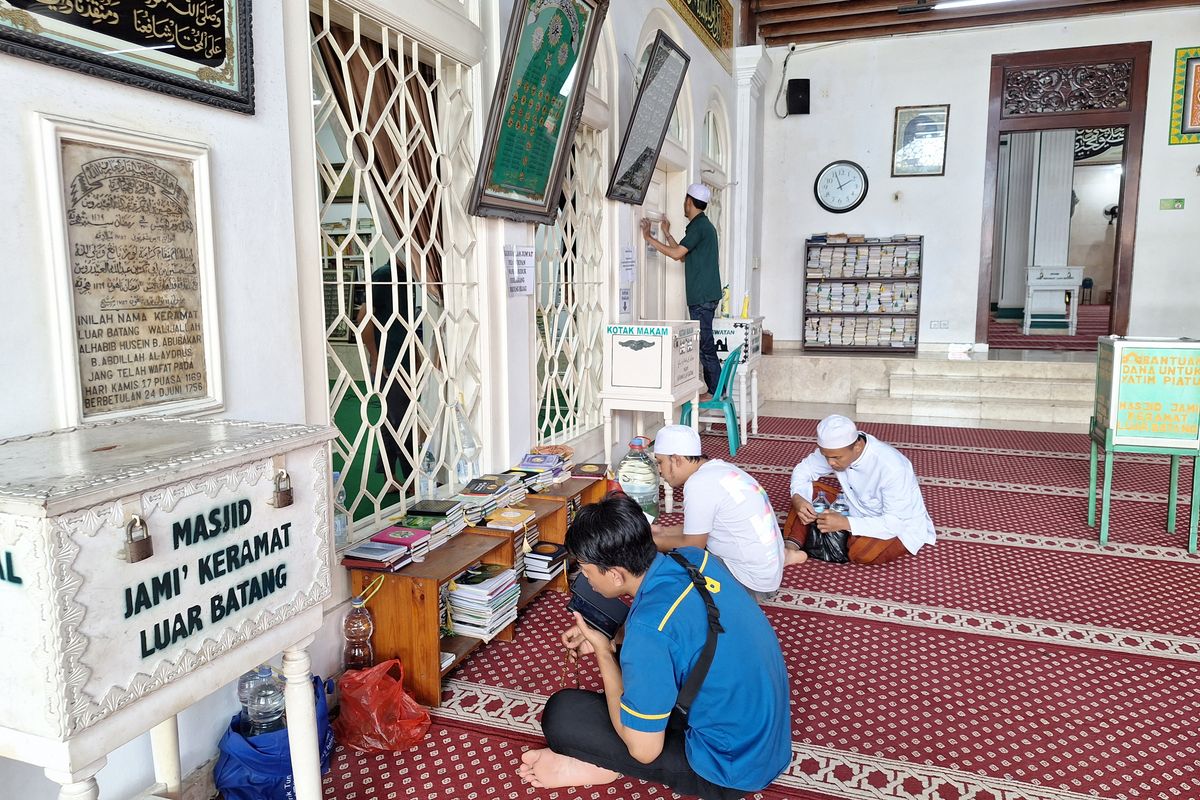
[1013,660]
[1006,334]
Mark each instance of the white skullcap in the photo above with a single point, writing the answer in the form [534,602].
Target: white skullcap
[835,432]
[698,191]
[677,440]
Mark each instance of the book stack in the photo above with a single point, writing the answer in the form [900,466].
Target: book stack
[545,561]
[377,556]
[479,498]
[417,541]
[444,660]
[547,467]
[513,489]
[483,600]
[516,520]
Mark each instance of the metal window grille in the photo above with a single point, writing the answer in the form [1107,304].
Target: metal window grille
[570,267]
[393,121]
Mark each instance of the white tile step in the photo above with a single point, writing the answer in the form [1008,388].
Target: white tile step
[944,387]
[1015,410]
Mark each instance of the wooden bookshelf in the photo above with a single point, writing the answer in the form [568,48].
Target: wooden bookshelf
[883,323]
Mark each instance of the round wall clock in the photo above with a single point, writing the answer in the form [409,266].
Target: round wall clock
[841,186]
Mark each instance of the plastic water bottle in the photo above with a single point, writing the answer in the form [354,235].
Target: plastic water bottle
[245,688]
[427,480]
[357,628]
[840,506]
[265,705]
[820,504]
[468,446]
[638,475]
[341,519]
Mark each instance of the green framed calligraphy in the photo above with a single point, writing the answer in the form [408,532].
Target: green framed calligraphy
[536,108]
[198,50]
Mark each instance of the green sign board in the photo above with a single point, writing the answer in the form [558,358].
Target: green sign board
[1148,391]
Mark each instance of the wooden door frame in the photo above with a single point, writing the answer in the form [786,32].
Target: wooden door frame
[1132,118]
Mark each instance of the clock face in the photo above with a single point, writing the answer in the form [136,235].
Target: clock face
[841,186]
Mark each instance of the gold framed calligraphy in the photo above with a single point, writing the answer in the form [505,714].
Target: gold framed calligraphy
[195,49]
[130,226]
[536,108]
[643,139]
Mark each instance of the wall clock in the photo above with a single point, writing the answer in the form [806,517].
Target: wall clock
[841,186]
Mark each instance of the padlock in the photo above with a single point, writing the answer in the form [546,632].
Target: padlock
[283,490]
[138,546]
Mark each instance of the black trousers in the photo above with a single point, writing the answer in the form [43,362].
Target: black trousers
[710,365]
[576,723]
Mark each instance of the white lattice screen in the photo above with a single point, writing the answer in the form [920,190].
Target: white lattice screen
[570,269]
[395,158]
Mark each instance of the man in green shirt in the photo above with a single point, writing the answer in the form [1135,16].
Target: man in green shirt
[701,272]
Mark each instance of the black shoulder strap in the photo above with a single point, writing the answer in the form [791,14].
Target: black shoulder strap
[691,687]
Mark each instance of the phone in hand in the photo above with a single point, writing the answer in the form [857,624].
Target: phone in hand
[605,614]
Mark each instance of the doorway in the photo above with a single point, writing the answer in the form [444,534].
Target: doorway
[1048,93]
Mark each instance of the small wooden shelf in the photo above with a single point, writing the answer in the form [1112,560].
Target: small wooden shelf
[883,243]
[460,646]
[455,555]
[529,590]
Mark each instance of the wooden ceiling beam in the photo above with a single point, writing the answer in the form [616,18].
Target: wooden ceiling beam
[815,24]
[933,21]
[767,5]
[840,8]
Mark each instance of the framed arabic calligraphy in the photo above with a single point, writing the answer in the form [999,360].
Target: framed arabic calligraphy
[195,49]
[536,108]
[657,94]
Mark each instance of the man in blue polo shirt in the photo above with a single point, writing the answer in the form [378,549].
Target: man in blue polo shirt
[737,737]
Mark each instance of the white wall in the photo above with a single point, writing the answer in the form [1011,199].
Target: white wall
[256,285]
[856,87]
[1093,239]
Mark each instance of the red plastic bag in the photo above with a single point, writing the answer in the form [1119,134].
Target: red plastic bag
[376,712]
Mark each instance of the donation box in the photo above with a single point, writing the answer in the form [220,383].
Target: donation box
[144,563]
[1148,392]
[650,359]
[730,333]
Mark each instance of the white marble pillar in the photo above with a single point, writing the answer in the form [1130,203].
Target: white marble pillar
[78,784]
[164,743]
[751,66]
[302,721]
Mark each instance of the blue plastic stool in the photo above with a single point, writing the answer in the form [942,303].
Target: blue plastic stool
[722,400]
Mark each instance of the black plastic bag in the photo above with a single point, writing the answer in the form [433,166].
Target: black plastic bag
[833,547]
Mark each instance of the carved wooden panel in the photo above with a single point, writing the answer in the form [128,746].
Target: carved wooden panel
[1067,89]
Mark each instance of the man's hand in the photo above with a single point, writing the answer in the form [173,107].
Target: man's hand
[646,230]
[830,521]
[585,639]
[665,227]
[804,510]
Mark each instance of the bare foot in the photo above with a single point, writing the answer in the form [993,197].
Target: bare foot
[704,398]
[547,769]
[792,554]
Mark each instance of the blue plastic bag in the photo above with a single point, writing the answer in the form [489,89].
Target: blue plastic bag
[260,768]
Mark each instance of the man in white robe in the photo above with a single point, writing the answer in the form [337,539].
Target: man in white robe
[887,513]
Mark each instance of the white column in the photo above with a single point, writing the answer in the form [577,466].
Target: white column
[1022,149]
[751,66]
[302,721]
[164,742]
[1052,215]
[78,784]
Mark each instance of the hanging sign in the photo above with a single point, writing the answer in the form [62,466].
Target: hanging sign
[712,21]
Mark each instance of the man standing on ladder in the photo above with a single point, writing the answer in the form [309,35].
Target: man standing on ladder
[701,271]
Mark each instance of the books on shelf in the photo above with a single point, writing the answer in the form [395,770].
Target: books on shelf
[483,600]
[377,556]
[545,561]
[510,519]
[417,542]
[590,471]
[445,659]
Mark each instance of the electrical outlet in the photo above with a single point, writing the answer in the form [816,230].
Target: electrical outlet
[939,324]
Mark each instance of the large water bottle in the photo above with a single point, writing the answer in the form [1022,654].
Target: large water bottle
[357,628]
[638,475]
[245,688]
[427,479]
[265,705]
[341,519]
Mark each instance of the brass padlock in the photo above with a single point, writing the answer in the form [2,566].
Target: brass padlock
[283,490]
[138,546]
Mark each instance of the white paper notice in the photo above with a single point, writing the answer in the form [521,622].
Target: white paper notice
[628,266]
[626,301]
[519,264]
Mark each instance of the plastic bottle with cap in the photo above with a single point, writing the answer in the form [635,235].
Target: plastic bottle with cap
[265,706]
[358,653]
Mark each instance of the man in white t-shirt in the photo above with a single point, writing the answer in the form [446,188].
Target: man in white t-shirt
[724,510]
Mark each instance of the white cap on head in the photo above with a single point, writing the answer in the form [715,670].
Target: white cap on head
[835,432]
[677,440]
[698,191]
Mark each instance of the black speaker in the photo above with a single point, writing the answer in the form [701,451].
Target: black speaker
[797,96]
